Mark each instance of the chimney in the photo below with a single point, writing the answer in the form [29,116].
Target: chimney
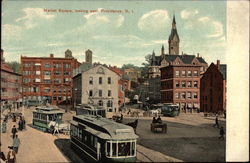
[51,55]
[218,64]
[198,55]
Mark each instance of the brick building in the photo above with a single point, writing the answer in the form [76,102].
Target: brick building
[10,84]
[213,89]
[48,78]
[180,85]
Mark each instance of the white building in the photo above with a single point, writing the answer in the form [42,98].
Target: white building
[99,86]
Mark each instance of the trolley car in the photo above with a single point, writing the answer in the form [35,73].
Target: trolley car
[42,116]
[170,110]
[100,139]
[90,110]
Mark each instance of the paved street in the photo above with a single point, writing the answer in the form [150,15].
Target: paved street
[189,138]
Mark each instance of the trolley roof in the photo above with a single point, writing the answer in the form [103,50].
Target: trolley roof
[90,107]
[48,110]
[104,128]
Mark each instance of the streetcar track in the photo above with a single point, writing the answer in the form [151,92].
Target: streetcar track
[145,156]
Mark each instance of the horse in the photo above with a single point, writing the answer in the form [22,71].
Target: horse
[133,124]
[155,112]
[56,127]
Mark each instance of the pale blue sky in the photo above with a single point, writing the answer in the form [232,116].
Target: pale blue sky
[114,38]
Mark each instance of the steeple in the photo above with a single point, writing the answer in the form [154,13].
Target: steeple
[173,40]
[162,51]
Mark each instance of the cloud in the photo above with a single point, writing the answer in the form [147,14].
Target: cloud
[11,31]
[204,19]
[153,21]
[185,14]
[217,28]
[30,19]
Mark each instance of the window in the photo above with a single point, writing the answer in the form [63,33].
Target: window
[100,80]
[120,149]
[177,84]
[37,80]
[183,95]
[195,95]
[189,84]
[66,73]
[195,73]
[46,90]
[195,84]
[46,65]
[91,80]
[26,64]
[57,73]
[177,73]
[66,65]
[183,84]
[109,80]
[90,93]
[189,95]
[47,73]
[57,81]
[109,93]
[110,103]
[183,73]
[38,72]
[100,93]
[189,73]
[177,95]
[25,80]
[100,103]
[57,65]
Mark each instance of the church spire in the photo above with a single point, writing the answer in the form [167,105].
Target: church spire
[173,40]
[162,51]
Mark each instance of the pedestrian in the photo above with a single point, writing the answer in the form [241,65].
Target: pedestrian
[11,157]
[14,118]
[128,111]
[13,131]
[2,156]
[16,143]
[222,133]
[24,123]
[4,126]
[216,122]
[20,123]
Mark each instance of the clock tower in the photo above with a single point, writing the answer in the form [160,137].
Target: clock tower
[173,40]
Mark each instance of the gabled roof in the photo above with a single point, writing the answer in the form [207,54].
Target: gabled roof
[201,60]
[187,59]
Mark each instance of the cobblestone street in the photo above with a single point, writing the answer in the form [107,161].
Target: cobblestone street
[190,137]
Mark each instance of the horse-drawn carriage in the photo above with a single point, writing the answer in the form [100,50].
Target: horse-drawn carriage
[48,119]
[162,126]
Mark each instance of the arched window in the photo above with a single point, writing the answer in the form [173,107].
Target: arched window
[110,103]
[100,103]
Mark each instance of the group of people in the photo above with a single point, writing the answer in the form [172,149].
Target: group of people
[222,132]
[158,120]
[13,150]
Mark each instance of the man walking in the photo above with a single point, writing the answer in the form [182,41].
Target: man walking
[222,133]
[216,122]
[13,131]
[16,143]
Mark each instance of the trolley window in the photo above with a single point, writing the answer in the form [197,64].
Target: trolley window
[120,148]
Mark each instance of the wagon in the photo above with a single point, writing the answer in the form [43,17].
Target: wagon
[162,126]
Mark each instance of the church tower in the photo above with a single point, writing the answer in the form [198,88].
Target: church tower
[173,40]
[88,56]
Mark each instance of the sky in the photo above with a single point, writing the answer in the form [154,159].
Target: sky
[125,36]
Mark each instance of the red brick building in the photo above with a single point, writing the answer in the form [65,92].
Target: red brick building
[48,78]
[213,89]
[124,84]
[10,84]
[180,85]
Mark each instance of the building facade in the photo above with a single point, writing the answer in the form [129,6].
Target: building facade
[99,86]
[180,85]
[48,79]
[164,59]
[213,89]
[10,85]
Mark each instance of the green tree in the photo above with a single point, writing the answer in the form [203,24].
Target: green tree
[15,66]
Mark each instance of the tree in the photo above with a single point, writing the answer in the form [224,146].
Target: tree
[125,66]
[15,66]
